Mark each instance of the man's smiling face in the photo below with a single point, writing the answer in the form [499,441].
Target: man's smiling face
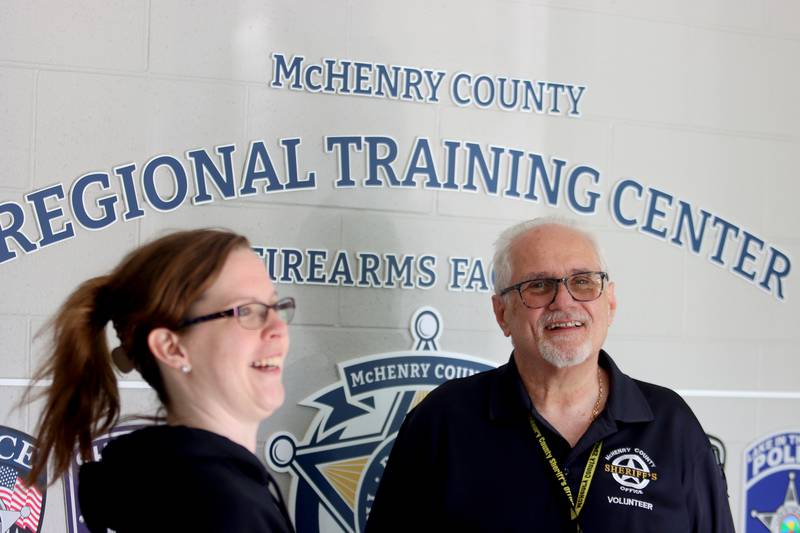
[565,332]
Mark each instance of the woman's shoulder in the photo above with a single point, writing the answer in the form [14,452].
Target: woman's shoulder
[178,457]
[184,477]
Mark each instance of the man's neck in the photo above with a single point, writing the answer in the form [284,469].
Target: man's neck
[568,398]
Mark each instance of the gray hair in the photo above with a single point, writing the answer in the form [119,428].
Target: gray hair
[501,262]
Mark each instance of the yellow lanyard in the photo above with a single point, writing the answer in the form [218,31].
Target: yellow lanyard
[586,479]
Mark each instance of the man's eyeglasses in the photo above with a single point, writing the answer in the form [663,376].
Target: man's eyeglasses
[536,293]
[250,316]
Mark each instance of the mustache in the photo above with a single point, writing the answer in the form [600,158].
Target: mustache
[562,316]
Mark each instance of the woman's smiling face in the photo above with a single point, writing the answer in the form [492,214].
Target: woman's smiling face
[234,369]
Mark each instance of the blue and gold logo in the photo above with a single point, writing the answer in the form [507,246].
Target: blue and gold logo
[336,467]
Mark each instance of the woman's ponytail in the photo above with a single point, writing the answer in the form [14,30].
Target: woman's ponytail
[83,400]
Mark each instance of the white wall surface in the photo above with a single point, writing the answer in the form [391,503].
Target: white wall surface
[692,98]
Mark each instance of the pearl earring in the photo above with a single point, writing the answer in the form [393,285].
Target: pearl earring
[186,368]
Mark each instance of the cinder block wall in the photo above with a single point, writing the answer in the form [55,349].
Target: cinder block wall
[690,99]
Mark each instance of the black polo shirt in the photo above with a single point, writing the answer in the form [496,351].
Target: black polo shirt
[466,459]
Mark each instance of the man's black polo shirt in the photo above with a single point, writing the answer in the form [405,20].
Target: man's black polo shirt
[466,459]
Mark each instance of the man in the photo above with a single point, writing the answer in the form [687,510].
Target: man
[558,439]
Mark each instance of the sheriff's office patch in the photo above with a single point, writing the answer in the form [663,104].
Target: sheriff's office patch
[21,506]
[634,471]
[74,519]
[336,467]
[771,467]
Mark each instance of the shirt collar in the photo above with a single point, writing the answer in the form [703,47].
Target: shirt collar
[626,403]
[508,399]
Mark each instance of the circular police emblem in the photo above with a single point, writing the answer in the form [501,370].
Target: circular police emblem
[21,505]
[337,465]
[771,502]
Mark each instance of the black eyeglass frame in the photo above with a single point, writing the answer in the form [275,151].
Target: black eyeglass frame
[518,287]
[283,303]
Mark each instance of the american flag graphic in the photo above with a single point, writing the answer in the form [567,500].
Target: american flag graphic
[16,495]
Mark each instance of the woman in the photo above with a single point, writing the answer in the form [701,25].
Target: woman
[197,316]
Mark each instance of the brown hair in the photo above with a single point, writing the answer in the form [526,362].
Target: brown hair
[153,286]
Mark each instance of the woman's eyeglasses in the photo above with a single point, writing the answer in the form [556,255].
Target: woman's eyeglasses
[250,316]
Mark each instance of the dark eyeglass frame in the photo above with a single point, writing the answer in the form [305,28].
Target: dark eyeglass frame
[556,281]
[280,305]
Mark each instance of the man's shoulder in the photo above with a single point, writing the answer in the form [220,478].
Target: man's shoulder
[661,398]
[656,392]
[467,386]
[461,395]
[672,413]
